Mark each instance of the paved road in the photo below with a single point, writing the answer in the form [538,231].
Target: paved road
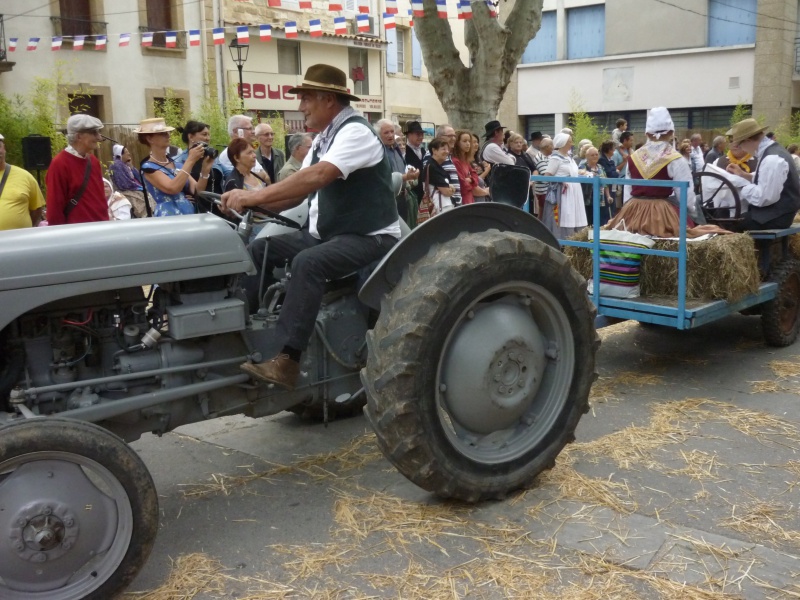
[682,484]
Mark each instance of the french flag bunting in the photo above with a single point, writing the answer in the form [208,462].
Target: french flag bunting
[12,44]
[290,28]
[339,26]
[465,10]
[33,43]
[417,8]
[78,41]
[315,27]
[362,21]
[243,34]
[305,3]
[147,38]
[333,5]
[124,39]
[410,18]
[492,8]
[194,37]
[441,8]
[55,44]
[218,33]
[171,39]
[363,6]
[274,3]
[388,21]
[391,7]
[100,42]
[265,32]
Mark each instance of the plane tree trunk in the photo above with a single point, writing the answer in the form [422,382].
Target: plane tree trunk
[471,94]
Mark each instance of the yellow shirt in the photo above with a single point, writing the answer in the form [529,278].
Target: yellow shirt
[21,196]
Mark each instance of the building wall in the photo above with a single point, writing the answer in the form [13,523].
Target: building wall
[122,76]
[637,26]
[774,61]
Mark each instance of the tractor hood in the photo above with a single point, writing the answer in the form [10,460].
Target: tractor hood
[114,250]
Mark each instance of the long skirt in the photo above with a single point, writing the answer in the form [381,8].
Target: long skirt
[550,221]
[651,216]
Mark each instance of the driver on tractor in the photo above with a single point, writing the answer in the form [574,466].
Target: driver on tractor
[352,220]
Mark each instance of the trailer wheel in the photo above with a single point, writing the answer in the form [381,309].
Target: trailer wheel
[78,511]
[480,365]
[780,318]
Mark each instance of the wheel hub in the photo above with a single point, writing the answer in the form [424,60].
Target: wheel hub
[493,367]
[43,531]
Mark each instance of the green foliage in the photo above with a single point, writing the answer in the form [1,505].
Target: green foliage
[788,132]
[582,125]
[36,112]
[740,113]
[171,109]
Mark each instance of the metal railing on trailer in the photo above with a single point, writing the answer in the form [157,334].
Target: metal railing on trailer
[679,312]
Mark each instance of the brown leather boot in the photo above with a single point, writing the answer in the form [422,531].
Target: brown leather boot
[281,370]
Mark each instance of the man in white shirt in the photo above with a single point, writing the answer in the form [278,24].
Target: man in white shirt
[773,191]
[493,153]
[239,126]
[352,218]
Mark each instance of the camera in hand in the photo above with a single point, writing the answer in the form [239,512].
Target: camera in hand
[208,151]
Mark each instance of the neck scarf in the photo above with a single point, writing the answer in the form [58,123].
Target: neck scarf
[324,139]
[654,156]
[742,162]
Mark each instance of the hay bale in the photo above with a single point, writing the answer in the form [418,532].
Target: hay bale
[722,268]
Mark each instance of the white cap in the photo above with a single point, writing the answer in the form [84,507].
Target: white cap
[117,150]
[659,122]
[83,123]
[561,140]
[2,137]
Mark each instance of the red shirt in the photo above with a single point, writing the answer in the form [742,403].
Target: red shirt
[64,179]
[467,178]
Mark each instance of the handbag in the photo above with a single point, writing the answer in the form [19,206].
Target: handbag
[620,269]
[553,195]
[427,209]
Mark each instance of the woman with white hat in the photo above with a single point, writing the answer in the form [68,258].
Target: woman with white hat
[564,214]
[651,210]
[167,184]
[126,181]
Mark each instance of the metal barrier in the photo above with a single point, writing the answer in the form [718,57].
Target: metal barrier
[618,307]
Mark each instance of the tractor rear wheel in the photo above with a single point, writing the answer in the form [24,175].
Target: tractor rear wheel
[480,365]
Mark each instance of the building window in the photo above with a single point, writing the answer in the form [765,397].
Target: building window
[586,32]
[75,18]
[544,123]
[159,17]
[542,48]
[359,70]
[401,50]
[731,22]
[289,57]
[86,104]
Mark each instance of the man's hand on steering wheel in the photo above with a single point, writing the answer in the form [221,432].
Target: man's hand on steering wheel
[235,200]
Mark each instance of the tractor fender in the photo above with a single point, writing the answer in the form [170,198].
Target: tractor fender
[470,218]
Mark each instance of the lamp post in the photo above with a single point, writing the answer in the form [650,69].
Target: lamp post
[239,56]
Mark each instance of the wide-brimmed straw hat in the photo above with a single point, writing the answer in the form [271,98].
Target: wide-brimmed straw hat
[156,125]
[324,78]
[744,130]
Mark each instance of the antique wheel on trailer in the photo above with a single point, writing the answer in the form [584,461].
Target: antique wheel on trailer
[480,365]
[78,511]
[780,318]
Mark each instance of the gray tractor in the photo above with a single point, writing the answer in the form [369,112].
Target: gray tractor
[472,345]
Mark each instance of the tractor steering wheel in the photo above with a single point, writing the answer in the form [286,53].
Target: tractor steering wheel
[217,199]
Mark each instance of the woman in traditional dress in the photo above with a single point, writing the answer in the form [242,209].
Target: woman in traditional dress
[651,210]
[564,214]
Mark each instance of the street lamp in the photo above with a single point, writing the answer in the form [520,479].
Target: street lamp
[239,56]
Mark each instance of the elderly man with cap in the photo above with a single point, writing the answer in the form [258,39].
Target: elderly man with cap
[352,215]
[492,150]
[21,200]
[75,192]
[773,191]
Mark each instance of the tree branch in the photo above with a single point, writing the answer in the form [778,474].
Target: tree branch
[522,25]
